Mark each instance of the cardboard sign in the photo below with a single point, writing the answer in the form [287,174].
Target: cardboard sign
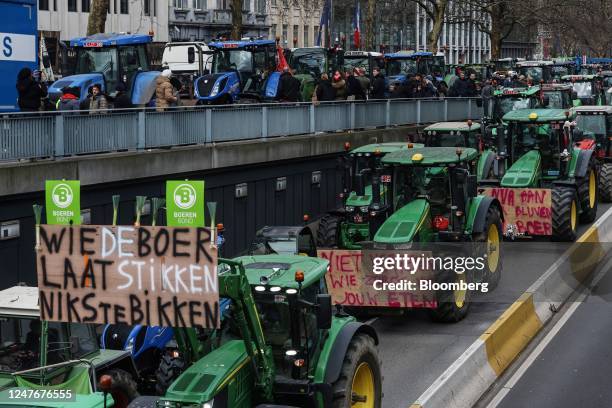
[63,202]
[350,285]
[155,276]
[185,203]
[528,209]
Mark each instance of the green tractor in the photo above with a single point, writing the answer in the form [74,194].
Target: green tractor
[559,96]
[62,357]
[433,198]
[536,71]
[310,63]
[541,156]
[589,88]
[595,132]
[281,344]
[348,226]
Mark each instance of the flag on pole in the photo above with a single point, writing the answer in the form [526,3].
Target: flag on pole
[357,26]
[282,62]
[324,23]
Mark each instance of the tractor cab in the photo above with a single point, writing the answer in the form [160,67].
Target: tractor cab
[509,99]
[403,65]
[561,68]
[589,88]
[243,69]
[504,65]
[65,356]
[594,124]
[283,241]
[367,60]
[310,63]
[107,60]
[558,96]
[535,71]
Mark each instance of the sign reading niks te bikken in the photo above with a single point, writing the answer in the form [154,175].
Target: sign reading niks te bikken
[155,276]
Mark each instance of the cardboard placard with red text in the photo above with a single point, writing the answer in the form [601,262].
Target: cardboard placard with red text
[350,285]
[529,209]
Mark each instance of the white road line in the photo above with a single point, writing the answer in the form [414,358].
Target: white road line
[545,341]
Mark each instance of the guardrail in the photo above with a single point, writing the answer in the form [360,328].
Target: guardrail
[54,135]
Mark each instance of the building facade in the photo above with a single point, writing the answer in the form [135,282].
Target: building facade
[204,20]
[295,22]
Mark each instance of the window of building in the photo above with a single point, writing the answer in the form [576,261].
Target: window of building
[72,5]
[273,2]
[223,4]
[154,7]
[295,34]
[85,5]
[147,7]
[284,37]
[306,37]
[315,31]
[114,6]
[43,4]
[246,5]
[273,31]
[124,6]
[261,6]
[54,5]
[199,4]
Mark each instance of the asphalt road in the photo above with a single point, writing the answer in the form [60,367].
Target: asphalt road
[571,365]
[415,350]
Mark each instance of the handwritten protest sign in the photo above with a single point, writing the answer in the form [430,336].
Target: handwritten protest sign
[529,209]
[351,282]
[155,276]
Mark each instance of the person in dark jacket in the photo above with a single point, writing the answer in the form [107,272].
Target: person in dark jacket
[460,86]
[69,100]
[325,91]
[378,85]
[288,87]
[354,90]
[122,99]
[30,91]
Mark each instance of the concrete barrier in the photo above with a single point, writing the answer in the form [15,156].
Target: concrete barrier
[469,377]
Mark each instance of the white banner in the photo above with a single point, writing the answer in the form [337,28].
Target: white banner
[17,47]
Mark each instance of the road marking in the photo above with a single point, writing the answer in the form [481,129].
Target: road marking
[546,340]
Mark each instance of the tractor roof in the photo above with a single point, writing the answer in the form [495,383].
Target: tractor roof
[574,78]
[19,301]
[349,54]
[408,54]
[383,147]
[430,156]
[453,126]
[281,231]
[532,90]
[556,87]
[543,115]
[240,43]
[258,266]
[110,39]
[605,73]
[603,109]
[533,63]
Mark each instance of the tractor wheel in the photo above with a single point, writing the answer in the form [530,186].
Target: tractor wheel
[168,371]
[587,194]
[564,214]
[491,238]
[453,305]
[123,389]
[605,182]
[328,235]
[360,381]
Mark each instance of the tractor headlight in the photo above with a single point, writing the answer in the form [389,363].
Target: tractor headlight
[208,404]
[215,89]
[130,344]
[363,209]
[350,208]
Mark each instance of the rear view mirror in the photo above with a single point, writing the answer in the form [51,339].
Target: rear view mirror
[191,55]
[324,311]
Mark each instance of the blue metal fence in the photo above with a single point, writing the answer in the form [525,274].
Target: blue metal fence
[27,136]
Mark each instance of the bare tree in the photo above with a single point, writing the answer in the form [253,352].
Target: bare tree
[435,10]
[369,25]
[236,8]
[97,16]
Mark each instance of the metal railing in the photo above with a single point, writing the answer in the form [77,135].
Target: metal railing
[54,135]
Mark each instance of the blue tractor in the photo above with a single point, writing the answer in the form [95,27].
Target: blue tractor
[242,71]
[401,65]
[108,59]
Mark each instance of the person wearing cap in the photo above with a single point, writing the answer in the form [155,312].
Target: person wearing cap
[339,85]
[164,91]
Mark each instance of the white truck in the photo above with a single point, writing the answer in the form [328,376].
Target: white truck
[187,61]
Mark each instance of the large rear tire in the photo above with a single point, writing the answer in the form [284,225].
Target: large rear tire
[605,183]
[491,238]
[360,381]
[124,389]
[328,232]
[169,369]
[564,214]
[587,194]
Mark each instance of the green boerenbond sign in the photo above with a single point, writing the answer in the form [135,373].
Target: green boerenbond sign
[185,203]
[63,202]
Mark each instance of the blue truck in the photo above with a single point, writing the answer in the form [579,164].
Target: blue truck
[18,47]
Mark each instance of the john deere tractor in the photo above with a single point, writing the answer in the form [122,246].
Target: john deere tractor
[281,345]
[541,155]
[595,132]
[61,357]
[348,226]
[433,197]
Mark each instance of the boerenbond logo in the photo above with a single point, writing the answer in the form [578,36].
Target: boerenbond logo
[62,195]
[184,196]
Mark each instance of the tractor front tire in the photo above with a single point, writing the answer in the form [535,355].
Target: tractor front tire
[564,214]
[124,389]
[453,305]
[360,381]
[328,232]
[587,194]
[168,371]
[490,242]
[605,183]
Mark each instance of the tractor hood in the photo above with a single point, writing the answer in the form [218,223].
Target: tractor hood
[81,81]
[212,86]
[209,375]
[354,200]
[524,171]
[402,226]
